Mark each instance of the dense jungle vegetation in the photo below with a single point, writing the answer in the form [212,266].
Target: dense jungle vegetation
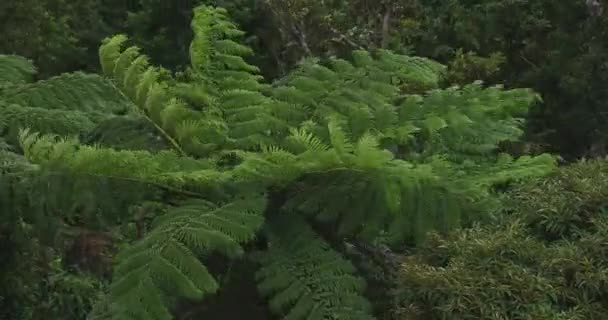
[300,159]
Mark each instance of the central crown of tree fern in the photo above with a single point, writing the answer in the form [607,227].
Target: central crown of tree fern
[339,150]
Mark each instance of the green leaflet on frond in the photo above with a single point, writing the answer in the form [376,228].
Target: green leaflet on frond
[128,61]
[201,47]
[426,205]
[71,197]
[304,278]
[338,139]
[196,95]
[167,260]
[133,76]
[128,69]
[110,51]
[71,91]
[15,70]
[147,80]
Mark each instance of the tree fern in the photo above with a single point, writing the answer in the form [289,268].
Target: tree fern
[338,150]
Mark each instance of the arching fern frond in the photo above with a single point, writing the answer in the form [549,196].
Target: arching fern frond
[14,117]
[365,95]
[304,278]
[15,70]
[219,70]
[164,168]
[215,49]
[184,128]
[71,91]
[461,123]
[167,260]
[413,74]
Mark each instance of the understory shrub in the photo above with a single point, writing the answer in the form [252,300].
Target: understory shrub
[547,259]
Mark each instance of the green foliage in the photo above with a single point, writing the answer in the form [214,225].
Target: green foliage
[332,28]
[566,206]
[70,91]
[15,70]
[556,48]
[68,104]
[544,261]
[16,117]
[36,285]
[168,257]
[294,255]
[57,35]
[68,295]
[467,67]
[163,28]
[362,149]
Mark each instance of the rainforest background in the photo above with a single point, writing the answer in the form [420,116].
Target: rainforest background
[303,159]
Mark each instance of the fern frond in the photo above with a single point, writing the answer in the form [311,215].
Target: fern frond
[416,74]
[304,278]
[218,61]
[110,51]
[165,168]
[14,117]
[15,70]
[468,121]
[508,169]
[311,154]
[126,133]
[139,82]
[167,259]
[72,91]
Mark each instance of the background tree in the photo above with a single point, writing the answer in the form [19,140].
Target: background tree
[58,35]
